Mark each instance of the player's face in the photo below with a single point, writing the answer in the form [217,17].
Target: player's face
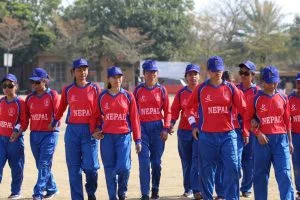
[9,88]
[116,81]
[269,87]
[81,73]
[246,75]
[298,86]
[38,86]
[192,78]
[150,76]
[217,75]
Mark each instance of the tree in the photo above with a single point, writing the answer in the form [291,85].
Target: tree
[294,43]
[164,21]
[263,31]
[13,34]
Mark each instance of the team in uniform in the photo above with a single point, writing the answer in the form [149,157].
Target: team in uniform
[255,128]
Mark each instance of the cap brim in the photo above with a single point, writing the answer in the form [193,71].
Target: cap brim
[35,78]
[80,66]
[273,81]
[192,70]
[115,74]
[9,79]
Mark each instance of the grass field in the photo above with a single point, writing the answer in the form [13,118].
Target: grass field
[171,180]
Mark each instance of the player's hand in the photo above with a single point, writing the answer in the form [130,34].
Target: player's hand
[14,136]
[138,147]
[171,129]
[164,135]
[246,140]
[291,146]
[195,133]
[254,125]
[262,139]
[98,134]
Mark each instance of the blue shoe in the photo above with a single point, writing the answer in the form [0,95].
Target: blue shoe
[145,197]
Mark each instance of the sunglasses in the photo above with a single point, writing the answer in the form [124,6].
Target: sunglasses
[35,82]
[246,73]
[9,86]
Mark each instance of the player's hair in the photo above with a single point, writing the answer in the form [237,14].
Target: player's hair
[108,85]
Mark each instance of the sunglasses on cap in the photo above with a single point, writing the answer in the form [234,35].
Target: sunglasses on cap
[246,73]
[35,82]
[9,86]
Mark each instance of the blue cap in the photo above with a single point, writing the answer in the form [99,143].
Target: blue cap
[113,71]
[248,64]
[10,77]
[298,77]
[80,63]
[150,65]
[192,67]
[215,63]
[38,74]
[270,74]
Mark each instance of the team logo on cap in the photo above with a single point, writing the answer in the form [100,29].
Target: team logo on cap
[208,98]
[11,112]
[217,62]
[263,108]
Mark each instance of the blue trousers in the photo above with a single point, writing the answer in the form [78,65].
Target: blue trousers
[247,165]
[296,159]
[116,157]
[276,152]
[152,151]
[219,187]
[212,148]
[13,152]
[43,146]
[81,155]
[188,153]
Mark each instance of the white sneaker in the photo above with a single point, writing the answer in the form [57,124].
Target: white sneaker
[15,196]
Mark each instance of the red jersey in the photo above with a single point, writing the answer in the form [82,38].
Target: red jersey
[214,104]
[151,102]
[81,100]
[118,114]
[294,102]
[12,115]
[178,108]
[248,93]
[272,112]
[41,109]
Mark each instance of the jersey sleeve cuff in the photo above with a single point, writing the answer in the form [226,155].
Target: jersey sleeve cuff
[194,125]
[138,141]
[54,123]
